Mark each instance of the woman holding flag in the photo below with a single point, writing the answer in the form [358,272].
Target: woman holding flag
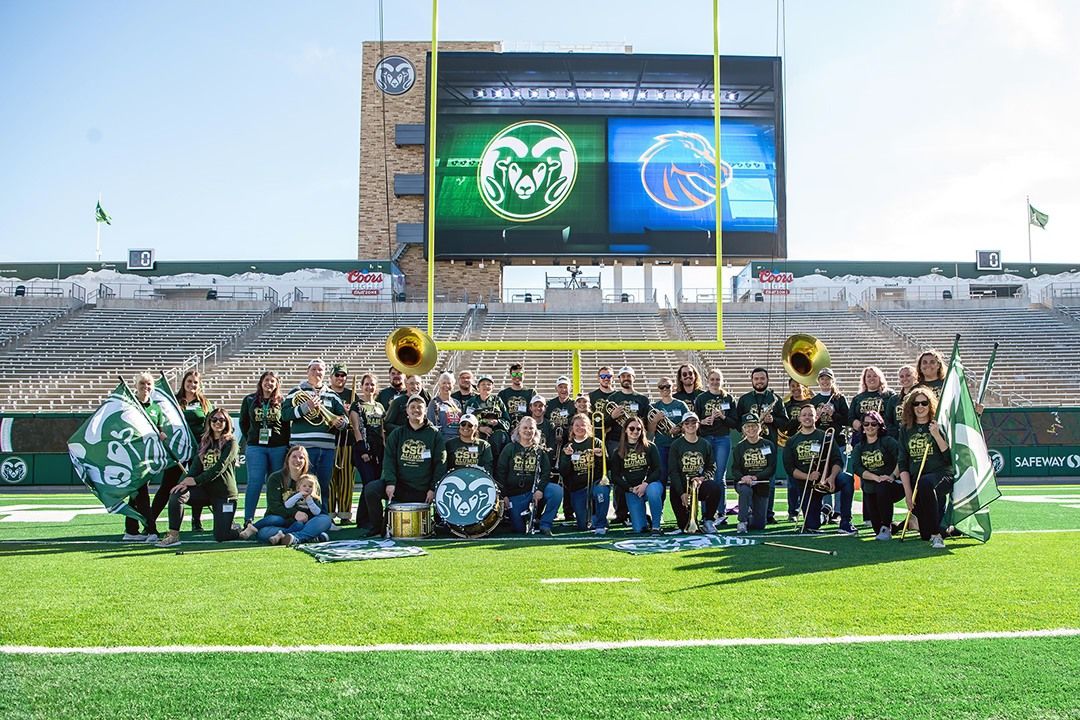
[924,463]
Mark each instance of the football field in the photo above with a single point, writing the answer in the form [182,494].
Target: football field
[510,627]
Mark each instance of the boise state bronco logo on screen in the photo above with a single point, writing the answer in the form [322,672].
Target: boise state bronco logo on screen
[527,170]
[678,171]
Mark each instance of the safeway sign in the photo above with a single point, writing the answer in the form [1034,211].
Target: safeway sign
[365,283]
[1060,460]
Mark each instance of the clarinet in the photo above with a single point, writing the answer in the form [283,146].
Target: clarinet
[532,494]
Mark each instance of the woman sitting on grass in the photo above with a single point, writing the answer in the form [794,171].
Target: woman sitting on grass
[293,514]
[211,480]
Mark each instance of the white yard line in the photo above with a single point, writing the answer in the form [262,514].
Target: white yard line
[570,581]
[536,647]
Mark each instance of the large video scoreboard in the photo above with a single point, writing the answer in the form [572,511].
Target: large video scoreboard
[583,154]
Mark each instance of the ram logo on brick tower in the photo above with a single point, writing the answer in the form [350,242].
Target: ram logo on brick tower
[395,75]
[527,171]
[678,171]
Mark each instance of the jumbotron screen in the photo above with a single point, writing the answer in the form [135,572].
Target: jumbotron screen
[598,155]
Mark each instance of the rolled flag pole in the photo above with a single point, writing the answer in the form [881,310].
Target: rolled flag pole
[985,382]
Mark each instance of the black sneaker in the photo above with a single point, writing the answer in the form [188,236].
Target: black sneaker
[656,532]
[846,528]
[322,537]
[812,531]
[770,519]
[546,532]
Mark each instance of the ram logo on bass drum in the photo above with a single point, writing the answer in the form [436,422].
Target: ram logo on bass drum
[13,470]
[527,171]
[395,75]
[679,171]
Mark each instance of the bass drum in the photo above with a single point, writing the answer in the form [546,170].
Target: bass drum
[469,502]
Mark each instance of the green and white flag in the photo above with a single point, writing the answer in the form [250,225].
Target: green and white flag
[342,550]
[117,451]
[975,486]
[101,216]
[1037,218]
[180,441]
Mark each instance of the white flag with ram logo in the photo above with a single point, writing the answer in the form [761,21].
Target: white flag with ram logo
[975,486]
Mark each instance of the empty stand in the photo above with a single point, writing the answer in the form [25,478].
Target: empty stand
[22,319]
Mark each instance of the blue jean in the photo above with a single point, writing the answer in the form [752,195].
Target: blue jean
[553,495]
[721,446]
[260,461]
[601,501]
[845,488]
[322,464]
[665,451]
[301,531]
[654,495]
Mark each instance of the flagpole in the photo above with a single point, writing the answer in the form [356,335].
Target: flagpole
[98,224]
[1030,261]
[986,375]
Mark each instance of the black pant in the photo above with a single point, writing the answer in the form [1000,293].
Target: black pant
[930,503]
[169,480]
[374,494]
[140,504]
[708,492]
[224,509]
[878,501]
[622,511]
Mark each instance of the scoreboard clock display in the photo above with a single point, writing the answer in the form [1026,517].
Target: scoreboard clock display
[140,260]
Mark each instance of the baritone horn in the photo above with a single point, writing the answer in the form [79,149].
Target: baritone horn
[662,421]
[411,350]
[804,356]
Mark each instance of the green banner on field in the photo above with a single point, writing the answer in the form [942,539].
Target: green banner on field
[341,550]
[680,543]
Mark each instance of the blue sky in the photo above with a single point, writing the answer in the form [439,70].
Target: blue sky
[229,130]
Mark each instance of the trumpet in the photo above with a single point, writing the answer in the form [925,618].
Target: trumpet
[663,422]
[320,414]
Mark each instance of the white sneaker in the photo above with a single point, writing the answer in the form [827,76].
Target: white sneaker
[885,534]
[136,537]
[334,528]
[936,542]
[709,527]
[676,531]
[151,538]
[741,529]
[600,531]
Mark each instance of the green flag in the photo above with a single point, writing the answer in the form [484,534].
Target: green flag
[1036,217]
[117,451]
[101,216]
[180,442]
[975,486]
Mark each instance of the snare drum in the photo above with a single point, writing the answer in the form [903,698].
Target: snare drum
[469,501]
[409,520]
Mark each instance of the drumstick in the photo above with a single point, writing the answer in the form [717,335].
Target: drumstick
[797,547]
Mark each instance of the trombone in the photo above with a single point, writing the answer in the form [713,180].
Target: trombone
[820,465]
[692,526]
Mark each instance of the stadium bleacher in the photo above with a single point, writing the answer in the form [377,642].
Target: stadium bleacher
[19,320]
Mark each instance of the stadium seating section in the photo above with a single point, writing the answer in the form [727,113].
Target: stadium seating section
[53,359]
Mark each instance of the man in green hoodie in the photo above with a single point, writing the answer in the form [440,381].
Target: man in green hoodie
[413,463]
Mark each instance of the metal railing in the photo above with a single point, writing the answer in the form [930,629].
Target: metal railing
[42,289]
[144,291]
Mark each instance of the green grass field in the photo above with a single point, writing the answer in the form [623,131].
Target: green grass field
[72,585]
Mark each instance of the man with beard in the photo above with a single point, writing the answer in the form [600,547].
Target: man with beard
[465,387]
[516,397]
[396,387]
[598,400]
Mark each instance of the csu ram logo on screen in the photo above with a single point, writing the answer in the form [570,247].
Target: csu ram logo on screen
[678,171]
[527,170]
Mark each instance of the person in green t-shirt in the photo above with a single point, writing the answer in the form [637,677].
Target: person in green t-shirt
[926,482]
[140,502]
[752,467]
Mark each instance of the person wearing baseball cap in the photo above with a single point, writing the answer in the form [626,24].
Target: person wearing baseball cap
[415,461]
[753,464]
[560,408]
[339,501]
[468,448]
[489,409]
[691,463]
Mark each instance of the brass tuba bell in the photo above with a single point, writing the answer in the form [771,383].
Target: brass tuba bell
[804,356]
[411,350]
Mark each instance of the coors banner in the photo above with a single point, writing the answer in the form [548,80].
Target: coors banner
[117,451]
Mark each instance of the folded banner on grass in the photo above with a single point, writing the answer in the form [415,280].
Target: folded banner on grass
[340,550]
[975,486]
[680,543]
[180,441]
[117,451]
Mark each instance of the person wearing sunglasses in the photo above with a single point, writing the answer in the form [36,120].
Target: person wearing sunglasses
[691,462]
[516,397]
[674,410]
[920,437]
[599,398]
[687,384]
[635,471]
[210,480]
[876,457]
